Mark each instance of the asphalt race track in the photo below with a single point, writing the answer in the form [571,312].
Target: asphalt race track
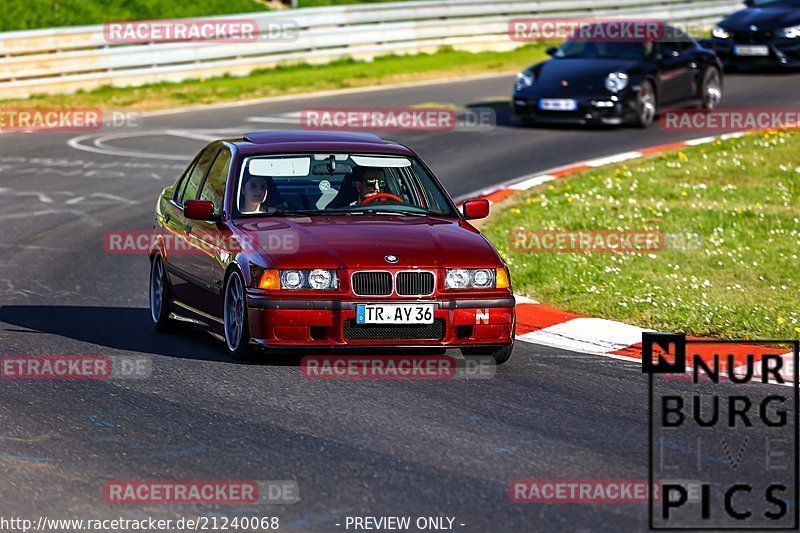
[368,447]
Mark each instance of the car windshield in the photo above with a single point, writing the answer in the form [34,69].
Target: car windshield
[338,184]
[604,50]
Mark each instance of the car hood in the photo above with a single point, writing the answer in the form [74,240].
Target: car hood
[364,242]
[581,75]
[763,18]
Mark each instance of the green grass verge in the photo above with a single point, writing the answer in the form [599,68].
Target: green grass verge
[296,79]
[738,201]
[27,14]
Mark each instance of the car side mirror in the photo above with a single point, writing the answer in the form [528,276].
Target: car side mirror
[551,51]
[475,209]
[198,210]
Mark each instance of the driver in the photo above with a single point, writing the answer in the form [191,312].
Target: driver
[368,182]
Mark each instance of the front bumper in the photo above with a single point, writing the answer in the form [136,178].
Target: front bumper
[458,323]
[782,53]
[598,110]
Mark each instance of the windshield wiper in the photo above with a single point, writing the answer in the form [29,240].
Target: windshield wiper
[314,212]
[390,212]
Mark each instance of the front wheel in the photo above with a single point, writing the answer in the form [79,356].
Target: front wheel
[237,325]
[646,105]
[712,88]
[160,298]
[499,355]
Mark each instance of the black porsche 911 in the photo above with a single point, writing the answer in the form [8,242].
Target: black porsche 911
[613,83]
[765,34]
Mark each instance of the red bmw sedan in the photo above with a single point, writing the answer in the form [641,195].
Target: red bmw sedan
[322,240]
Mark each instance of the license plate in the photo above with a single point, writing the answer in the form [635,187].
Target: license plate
[394,314]
[558,104]
[760,50]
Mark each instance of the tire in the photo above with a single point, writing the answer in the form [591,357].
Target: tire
[646,105]
[160,297]
[235,320]
[499,355]
[712,88]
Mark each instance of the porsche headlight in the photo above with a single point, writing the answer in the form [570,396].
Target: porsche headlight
[792,32]
[616,81]
[720,33]
[524,79]
[469,278]
[316,279]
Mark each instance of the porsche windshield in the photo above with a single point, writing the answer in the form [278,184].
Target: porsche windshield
[338,184]
[604,50]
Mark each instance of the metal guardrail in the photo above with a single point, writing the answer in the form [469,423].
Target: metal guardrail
[64,60]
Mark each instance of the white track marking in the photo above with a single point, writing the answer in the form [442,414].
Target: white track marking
[77,144]
[617,158]
[80,214]
[274,120]
[701,140]
[96,143]
[114,197]
[532,182]
[44,198]
[587,335]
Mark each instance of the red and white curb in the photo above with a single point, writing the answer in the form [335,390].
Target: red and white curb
[501,192]
[546,326]
[543,325]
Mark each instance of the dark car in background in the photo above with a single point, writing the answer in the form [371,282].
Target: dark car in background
[615,83]
[765,34]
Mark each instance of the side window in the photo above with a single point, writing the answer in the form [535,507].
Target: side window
[180,184]
[196,175]
[214,186]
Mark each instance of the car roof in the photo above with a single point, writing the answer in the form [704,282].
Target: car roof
[282,141]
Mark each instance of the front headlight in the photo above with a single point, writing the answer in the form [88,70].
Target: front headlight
[317,279]
[469,278]
[320,279]
[720,33]
[616,81]
[792,32]
[524,79]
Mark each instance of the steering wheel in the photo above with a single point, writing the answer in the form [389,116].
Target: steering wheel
[382,197]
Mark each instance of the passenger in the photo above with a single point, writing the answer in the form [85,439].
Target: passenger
[260,195]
